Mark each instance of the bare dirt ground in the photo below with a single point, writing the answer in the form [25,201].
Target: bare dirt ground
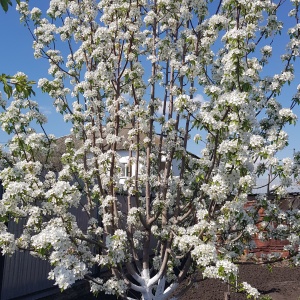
[281,282]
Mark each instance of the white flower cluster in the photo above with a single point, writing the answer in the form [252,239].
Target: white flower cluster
[111,286]
[68,266]
[222,270]
[204,254]
[218,189]
[115,287]
[286,114]
[117,247]
[7,242]
[251,291]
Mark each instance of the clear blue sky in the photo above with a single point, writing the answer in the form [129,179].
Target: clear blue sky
[17,55]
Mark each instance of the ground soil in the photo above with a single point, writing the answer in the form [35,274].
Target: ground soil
[280,282]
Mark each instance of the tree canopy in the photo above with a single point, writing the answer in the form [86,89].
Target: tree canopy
[140,81]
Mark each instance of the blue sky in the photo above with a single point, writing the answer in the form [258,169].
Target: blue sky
[17,55]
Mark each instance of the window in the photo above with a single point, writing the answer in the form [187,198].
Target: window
[125,170]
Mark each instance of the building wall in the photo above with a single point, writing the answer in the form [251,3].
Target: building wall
[24,275]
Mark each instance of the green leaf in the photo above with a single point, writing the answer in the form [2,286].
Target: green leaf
[267,218]
[5,3]
[4,219]
[8,90]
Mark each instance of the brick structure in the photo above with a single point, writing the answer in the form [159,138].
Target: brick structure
[292,200]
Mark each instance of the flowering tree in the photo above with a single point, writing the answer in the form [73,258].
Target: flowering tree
[127,74]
